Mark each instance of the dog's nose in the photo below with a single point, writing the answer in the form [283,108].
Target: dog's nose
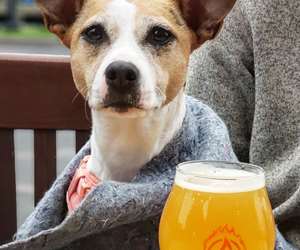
[122,76]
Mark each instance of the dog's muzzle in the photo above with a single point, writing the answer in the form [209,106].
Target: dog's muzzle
[123,82]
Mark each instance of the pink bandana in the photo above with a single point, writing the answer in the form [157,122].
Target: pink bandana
[81,184]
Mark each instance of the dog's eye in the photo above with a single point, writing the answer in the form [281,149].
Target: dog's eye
[159,37]
[94,34]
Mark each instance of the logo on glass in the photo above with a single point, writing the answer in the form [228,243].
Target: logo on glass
[224,238]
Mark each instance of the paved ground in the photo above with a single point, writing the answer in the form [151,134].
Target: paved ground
[50,46]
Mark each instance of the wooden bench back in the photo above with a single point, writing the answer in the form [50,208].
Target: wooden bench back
[36,92]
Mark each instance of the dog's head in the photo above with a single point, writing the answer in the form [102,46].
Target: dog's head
[131,56]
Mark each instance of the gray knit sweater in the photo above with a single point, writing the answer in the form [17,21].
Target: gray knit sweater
[250,75]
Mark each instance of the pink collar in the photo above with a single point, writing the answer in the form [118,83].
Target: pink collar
[81,184]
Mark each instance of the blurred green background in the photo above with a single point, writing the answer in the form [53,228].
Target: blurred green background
[25,32]
[22,30]
[21,19]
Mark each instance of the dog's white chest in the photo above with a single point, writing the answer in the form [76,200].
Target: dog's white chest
[121,147]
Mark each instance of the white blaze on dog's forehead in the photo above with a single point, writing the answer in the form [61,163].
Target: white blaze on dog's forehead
[123,15]
[123,12]
[115,13]
[125,47]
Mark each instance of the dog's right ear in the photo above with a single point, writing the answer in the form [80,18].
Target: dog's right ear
[59,15]
[205,17]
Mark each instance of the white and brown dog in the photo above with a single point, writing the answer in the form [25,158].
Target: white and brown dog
[129,60]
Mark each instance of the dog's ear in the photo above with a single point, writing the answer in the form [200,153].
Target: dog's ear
[205,17]
[59,15]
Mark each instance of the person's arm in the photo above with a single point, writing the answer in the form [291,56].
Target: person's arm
[221,75]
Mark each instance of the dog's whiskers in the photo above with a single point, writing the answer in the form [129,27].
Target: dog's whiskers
[85,106]
[84,90]
[160,92]
[75,97]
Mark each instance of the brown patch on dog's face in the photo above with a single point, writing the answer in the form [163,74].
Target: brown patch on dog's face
[86,59]
[171,60]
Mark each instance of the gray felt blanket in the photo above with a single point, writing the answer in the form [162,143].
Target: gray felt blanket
[125,215]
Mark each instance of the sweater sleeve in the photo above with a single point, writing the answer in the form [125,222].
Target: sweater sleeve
[221,75]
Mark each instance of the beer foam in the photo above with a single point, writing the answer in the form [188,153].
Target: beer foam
[208,178]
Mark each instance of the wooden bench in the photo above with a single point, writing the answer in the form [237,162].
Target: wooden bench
[36,92]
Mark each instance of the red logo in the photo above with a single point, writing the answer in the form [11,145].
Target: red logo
[224,238]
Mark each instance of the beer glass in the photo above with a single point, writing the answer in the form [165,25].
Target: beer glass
[218,206]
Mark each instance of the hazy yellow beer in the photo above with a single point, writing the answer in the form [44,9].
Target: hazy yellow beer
[218,206]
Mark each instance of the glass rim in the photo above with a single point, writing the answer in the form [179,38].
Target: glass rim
[252,168]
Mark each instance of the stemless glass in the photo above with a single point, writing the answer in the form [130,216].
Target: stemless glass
[218,206]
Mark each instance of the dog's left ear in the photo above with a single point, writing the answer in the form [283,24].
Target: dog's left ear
[205,17]
[59,15]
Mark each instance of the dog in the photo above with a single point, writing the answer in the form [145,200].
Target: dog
[129,59]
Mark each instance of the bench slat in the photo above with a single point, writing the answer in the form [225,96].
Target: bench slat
[40,93]
[8,207]
[82,137]
[44,161]
[37,92]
